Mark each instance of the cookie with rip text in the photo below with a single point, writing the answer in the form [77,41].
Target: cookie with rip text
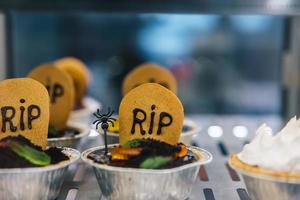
[61,92]
[151,111]
[24,106]
[79,74]
[149,73]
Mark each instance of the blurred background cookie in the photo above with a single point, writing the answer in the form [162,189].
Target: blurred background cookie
[79,74]
[61,92]
[149,73]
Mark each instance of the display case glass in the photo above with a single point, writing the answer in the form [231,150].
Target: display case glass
[223,64]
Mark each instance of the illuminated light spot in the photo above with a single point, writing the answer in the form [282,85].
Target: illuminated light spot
[240,131]
[215,131]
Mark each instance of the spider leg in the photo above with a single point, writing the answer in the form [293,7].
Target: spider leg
[97,120]
[99,113]
[110,114]
[111,122]
[108,111]
[97,124]
[111,118]
[96,115]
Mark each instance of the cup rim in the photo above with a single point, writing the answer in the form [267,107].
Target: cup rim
[207,159]
[73,155]
[263,176]
[191,123]
[83,131]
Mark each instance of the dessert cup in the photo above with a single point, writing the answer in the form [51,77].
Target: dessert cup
[70,141]
[43,183]
[84,114]
[147,184]
[265,184]
[185,137]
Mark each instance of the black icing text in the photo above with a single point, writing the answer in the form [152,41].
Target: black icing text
[29,114]
[55,90]
[140,116]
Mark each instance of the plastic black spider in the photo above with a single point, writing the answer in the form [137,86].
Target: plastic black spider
[104,120]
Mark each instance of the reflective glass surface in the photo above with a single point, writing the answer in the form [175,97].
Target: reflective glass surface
[223,64]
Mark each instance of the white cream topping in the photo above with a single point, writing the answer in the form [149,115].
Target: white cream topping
[279,152]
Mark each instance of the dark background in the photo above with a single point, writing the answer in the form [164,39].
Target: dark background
[223,64]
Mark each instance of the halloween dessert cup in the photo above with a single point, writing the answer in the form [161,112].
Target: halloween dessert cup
[121,182]
[28,172]
[149,163]
[270,164]
[189,130]
[28,168]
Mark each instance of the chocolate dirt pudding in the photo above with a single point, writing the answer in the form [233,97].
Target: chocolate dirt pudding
[19,152]
[147,154]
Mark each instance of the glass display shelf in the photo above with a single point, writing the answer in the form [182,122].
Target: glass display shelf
[272,7]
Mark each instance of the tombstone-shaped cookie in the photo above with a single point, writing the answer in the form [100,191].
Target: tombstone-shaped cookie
[150,111]
[24,106]
[149,73]
[61,92]
[79,74]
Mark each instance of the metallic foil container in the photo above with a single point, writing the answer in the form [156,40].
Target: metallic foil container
[147,184]
[36,183]
[268,187]
[70,141]
[84,114]
[185,137]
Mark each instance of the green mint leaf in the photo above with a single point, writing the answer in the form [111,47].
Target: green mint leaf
[32,155]
[132,143]
[155,162]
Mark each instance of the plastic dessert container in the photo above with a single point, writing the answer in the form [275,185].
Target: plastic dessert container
[42,183]
[147,184]
[70,141]
[185,137]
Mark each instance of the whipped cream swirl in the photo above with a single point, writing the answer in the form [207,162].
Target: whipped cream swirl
[279,152]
